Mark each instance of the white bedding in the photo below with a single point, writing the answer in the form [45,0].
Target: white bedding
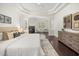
[25,45]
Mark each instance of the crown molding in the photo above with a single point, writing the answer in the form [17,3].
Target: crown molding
[57,8]
[22,9]
[54,7]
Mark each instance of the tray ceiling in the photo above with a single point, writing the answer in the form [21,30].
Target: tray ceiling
[41,9]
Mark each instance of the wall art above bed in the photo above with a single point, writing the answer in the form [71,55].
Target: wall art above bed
[5,19]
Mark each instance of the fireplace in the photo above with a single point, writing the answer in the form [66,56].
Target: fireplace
[31,29]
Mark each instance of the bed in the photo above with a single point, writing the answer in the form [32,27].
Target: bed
[24,45]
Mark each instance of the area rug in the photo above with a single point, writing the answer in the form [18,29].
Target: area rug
[47,47]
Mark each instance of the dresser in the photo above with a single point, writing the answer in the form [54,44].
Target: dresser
[69,39]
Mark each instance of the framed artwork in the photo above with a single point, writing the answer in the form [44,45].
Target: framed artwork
[7,20]
[1,18]
[75,21]
[68,21]
[76,17]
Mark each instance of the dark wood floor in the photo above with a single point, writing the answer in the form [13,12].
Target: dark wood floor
[60,48]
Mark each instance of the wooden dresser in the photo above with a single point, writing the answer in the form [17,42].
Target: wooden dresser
[69,39]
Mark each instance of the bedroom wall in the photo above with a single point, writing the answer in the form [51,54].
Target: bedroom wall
[11,11]
[34,21]
[23,19]
[58,17]
[19,18]
[51,25]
